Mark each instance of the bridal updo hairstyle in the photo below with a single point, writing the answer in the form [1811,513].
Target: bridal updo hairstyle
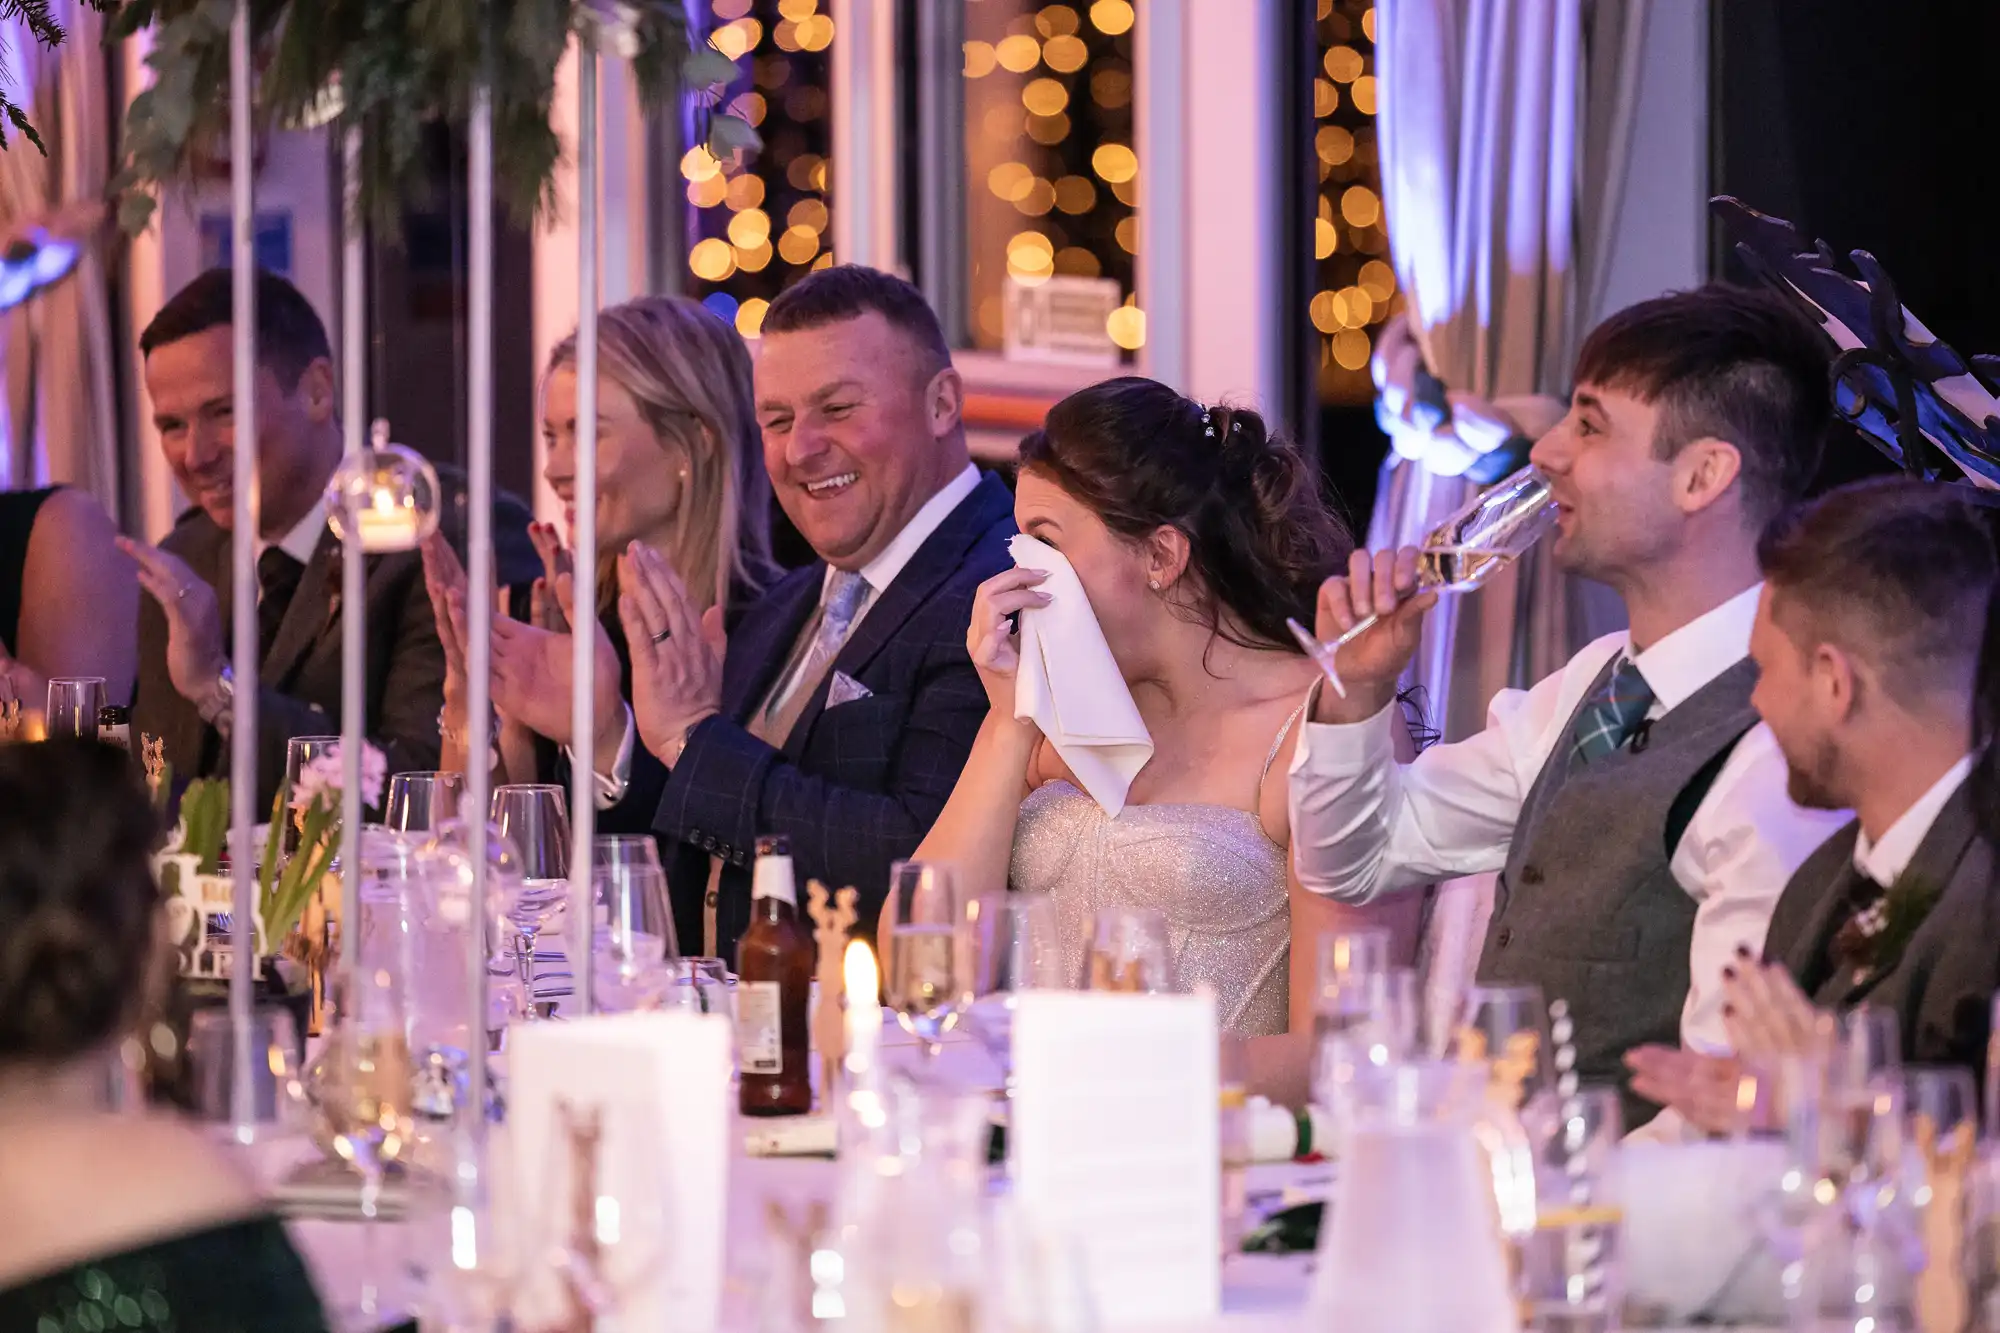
[78,901]
[1261,538]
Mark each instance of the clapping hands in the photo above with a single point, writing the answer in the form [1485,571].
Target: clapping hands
[676,653]
[532,665]
[1768,1019]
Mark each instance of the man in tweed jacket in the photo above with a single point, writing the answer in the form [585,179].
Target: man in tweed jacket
[844,705]
[1869,645]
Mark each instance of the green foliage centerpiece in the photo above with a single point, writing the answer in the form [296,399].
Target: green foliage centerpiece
[393,68]
[287,886]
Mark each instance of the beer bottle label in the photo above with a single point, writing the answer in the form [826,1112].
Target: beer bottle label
[760,1044]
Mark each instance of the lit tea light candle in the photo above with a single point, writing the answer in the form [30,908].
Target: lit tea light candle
[387,524]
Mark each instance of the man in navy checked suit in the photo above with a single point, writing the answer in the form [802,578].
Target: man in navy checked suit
[844,705]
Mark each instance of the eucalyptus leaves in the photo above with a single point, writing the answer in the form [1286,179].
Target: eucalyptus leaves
[394,69]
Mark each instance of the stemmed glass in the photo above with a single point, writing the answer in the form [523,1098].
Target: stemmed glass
[930,972]
[299,751]
[1494,528]
[534,819]
[1128,951]
[1015,947]
[73,705]
[419,802]
[636,926]
[362,1089]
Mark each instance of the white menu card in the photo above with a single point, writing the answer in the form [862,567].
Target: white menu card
[661,1081]
[1117,1148]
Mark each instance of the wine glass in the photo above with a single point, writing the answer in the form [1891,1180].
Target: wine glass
[73,704]
[635,933]
[534,820]
[1494,528]
[930,974]
[363,1093]
[1128,951]
[299,751]
[1015,946]
[419,802]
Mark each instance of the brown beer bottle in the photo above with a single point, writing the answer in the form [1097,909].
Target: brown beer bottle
[774,964]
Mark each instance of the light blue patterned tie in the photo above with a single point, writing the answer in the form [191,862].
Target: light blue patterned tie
[846,593]
[1613,714]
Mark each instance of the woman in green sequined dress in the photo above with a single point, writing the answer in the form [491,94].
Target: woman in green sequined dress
[107,1221]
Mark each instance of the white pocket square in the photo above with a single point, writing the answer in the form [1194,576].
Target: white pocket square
[845,690]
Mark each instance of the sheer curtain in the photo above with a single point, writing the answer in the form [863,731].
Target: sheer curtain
[61,422]
[1504,129]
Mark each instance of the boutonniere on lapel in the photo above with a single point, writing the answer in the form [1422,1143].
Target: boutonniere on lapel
[1874,937]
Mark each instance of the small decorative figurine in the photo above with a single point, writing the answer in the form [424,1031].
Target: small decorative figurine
[833,915]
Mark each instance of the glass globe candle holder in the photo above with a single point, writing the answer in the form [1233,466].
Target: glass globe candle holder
[386,497]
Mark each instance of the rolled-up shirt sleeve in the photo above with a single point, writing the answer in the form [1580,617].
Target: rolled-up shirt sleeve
[1364,825]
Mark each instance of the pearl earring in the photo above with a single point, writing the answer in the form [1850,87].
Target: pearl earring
[1153,582]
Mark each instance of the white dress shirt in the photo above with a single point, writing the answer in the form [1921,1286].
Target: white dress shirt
[1363,825]
[1883,861]
[302,542]
[879,574]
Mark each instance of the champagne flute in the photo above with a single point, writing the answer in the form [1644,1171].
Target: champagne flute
[299,751]
[419,802]
[1128,951]
[534,819]
[363,1092]
[72,706]
[1493,529]
[1015,946]
[930,975]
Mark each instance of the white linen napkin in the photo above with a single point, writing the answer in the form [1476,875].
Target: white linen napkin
[1084,708]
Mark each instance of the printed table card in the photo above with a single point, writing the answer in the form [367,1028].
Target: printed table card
[620,1130]
[1116,1145]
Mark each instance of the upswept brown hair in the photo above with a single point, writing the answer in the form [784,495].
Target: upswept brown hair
[1261,538]
[689,374]
[78,902]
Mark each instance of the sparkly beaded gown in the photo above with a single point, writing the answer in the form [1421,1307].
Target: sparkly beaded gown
[238,1277]
[1211,870]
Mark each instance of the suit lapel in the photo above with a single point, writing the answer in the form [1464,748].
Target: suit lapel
[1936,864]
[763,642]
[312,612]
[1831,871]
[934,562]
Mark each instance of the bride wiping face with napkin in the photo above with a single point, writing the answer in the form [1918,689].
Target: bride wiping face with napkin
[1146,698]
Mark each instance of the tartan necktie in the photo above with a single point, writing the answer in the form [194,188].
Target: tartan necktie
[1612,715]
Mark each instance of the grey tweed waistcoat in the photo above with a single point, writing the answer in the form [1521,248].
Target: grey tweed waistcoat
[1588,908]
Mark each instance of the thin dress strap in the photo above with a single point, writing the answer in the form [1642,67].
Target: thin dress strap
[1277,744]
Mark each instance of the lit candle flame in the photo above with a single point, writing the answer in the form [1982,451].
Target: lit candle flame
[863,978]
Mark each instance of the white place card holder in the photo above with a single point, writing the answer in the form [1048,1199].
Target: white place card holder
[1116,1145]
[662,1081]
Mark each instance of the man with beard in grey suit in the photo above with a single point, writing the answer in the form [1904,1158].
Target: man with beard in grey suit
[1871,671]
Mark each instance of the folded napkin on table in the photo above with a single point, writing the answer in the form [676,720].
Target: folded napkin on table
[1071,687]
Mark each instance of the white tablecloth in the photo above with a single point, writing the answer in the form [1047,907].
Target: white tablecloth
[1261,1294]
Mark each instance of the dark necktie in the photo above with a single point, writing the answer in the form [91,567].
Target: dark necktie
[1612,715]
[278,576]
